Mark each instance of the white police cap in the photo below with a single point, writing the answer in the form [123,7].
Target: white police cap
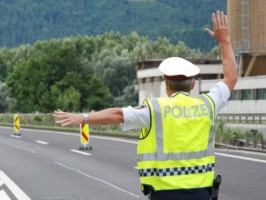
[176,66]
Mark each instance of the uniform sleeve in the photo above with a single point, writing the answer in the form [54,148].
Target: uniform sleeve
[135,118]
[220,95]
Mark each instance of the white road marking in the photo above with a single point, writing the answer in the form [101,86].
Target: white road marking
[3,195]
[19,147]
[80,152]
[114,139]
[98,179]
[16,191]
[15,136]
[51,131]
[240,157]
[42,142]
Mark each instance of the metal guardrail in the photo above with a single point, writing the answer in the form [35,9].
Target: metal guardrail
[244,118]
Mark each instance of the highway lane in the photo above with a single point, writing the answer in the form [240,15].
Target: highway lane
[244,175]
[53,171]
[48,165]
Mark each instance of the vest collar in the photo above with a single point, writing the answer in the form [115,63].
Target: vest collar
[176,93]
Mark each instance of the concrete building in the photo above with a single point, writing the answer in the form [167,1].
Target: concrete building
[248,98]
[150,82]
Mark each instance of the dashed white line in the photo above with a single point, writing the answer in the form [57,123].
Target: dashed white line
[114,139]
[15,136]
[42,142]
[98,179]
[19,147]
[80,152]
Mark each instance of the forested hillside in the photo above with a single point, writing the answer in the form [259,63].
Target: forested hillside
[26,21]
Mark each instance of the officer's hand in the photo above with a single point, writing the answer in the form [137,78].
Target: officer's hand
[66,119]
[220,25]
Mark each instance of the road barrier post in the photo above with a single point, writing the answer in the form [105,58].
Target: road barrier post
[16,125]
[84,137]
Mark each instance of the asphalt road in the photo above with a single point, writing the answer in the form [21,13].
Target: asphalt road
[48,165]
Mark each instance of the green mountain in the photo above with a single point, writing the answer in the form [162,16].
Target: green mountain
[26,21]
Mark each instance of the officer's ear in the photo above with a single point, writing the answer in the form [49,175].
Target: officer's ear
[167,88]
[192,84]
[166,84]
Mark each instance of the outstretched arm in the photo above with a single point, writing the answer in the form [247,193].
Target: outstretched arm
[108,116]
[221,34]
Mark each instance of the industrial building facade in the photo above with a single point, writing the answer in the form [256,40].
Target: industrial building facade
[248,97]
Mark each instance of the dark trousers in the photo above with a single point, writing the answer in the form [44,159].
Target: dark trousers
[191,194]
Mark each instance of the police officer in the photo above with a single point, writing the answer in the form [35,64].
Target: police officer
[176,149]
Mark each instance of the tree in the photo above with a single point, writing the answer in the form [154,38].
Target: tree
[100,96]
[215,53]
[116,71]
[69,100]
[129,97]
[182,49]
[57,69]
[4,97]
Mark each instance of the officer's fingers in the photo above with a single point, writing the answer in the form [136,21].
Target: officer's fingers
[57,112]
[66,124]
[225,20]
[218,17]
[222,18]
[63,122]
[210,32]
[58,115]
[214,21]
[61,111]
[59,122]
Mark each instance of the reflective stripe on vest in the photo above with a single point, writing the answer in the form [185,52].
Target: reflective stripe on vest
[177,170]
[160,155]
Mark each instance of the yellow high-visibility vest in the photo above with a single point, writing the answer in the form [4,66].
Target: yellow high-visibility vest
[177,151]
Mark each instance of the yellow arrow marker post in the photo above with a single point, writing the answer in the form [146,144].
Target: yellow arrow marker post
[84,137]
[16,125]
